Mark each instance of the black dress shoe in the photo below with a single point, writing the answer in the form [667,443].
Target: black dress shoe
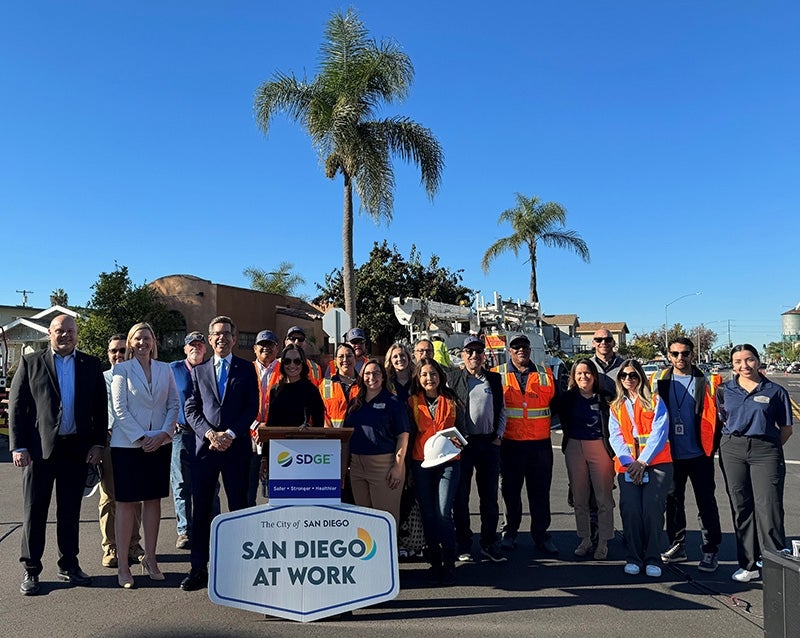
[76,576]
[30,584]
[548,547]
[196,579]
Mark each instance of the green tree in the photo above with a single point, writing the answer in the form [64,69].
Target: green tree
[534,221]
[116,305]
[59,298]
[338,110]
[647,345]
[387,274]
[278,282]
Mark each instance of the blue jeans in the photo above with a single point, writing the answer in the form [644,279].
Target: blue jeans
[436,491]
[180,475]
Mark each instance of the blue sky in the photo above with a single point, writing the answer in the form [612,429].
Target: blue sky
[668,130]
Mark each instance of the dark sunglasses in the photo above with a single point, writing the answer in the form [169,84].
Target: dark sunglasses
[680,353]
[298,338]
[603,339]
[471,351]
[633,376]
[296,362]
[116,351]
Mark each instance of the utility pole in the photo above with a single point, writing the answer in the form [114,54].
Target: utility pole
[25,294]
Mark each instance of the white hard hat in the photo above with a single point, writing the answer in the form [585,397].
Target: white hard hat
[439,449]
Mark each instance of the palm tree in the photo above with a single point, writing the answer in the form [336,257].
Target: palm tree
[279,282]
[338,111]
[534,221]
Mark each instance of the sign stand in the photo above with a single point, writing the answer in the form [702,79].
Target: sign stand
[305,555]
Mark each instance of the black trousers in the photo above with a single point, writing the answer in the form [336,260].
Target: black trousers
[754,472]
[481,457]
[66,470]
[700,471]
[233,466]
[531,463]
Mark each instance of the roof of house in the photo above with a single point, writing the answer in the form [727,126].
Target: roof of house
[611,326]
[560,320]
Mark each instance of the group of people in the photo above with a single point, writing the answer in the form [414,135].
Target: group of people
[655,435]
[194,423]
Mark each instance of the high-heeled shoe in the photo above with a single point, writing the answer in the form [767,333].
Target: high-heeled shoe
[125,580]
[153,572]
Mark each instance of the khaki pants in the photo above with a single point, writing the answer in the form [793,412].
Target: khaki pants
[591,469]
[368,481]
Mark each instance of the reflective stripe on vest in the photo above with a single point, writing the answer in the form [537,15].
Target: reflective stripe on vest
[644,426]
[427,425]
[528,413]
[335,402]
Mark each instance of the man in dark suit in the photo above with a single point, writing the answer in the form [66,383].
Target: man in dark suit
[58,424]
[223,405]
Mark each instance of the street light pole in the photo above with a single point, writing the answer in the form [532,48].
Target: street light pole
[666,322]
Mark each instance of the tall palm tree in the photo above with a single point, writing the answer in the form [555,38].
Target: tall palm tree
[534,221]
[338,110]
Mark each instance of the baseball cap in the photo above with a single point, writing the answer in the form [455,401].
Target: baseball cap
[266,335]
[356,333]
[93,475]
[194,336]
[472,340]
[518,336]
[294,329]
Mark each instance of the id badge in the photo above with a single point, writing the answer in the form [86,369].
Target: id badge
[679,428]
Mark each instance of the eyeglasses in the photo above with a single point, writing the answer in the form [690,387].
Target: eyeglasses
[603,339]
[298,338]
[680,353]
[473,351]
[423,350]
[633,376]
[116,351]
[294,362]
[521,346]
[356,342]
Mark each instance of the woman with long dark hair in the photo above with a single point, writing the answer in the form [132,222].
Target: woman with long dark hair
[756,418]
[583,411]
[638,427]
[433,409]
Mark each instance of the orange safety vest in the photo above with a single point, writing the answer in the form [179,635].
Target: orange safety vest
[263,392]
[336,403]
[428,425]
[644,426]
[314,372]
[527,413]
[708,417]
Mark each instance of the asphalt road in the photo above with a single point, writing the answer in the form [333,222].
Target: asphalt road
[528,595]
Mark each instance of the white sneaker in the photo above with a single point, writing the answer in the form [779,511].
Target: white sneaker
[654,571]
[744,576]
[632,569]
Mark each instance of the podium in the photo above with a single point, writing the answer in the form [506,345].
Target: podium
[298,460]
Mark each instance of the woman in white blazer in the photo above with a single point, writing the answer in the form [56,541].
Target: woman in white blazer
[145,402]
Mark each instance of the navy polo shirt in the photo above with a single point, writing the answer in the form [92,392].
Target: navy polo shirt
[377,424]
[761,412]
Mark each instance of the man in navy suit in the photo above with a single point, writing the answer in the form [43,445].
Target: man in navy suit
[223,405]
[58,424]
